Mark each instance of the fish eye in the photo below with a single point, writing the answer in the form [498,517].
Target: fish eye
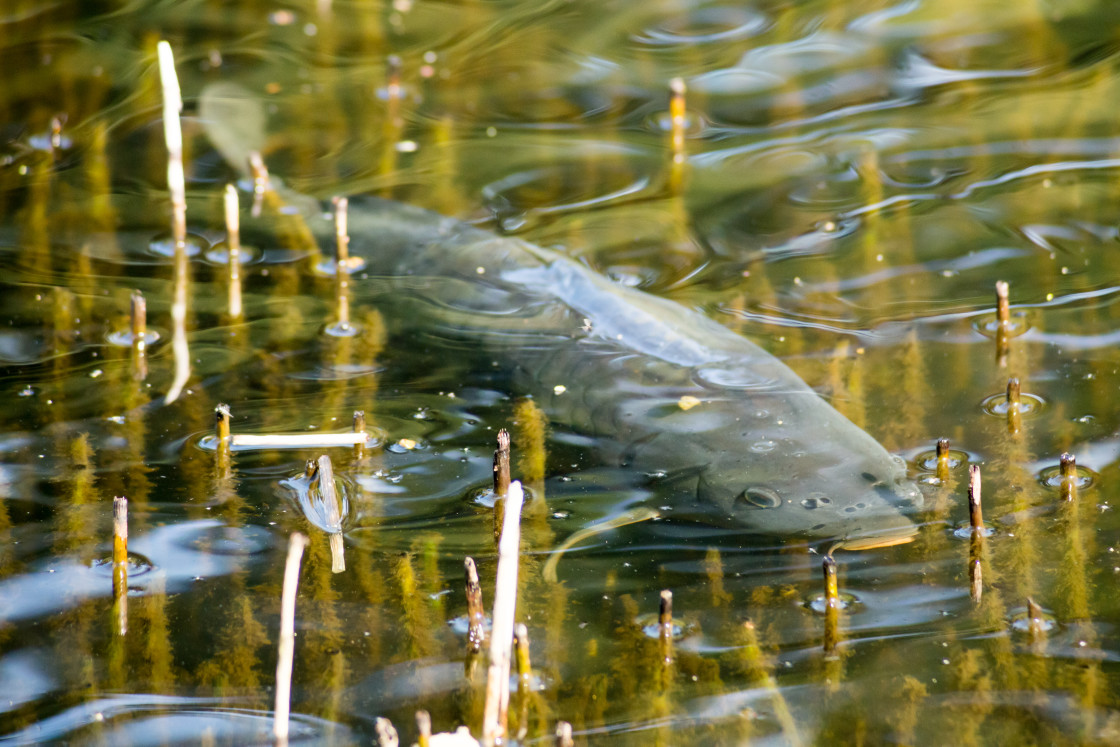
[815,500]
[760,497]
[869,477]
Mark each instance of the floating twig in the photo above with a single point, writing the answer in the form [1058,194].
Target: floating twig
[243,441]
[501,637]
[324,474]
[975,510]
[1068,472]
[233,246]
[287,637]
[476,615]
[247,441]
[120,562]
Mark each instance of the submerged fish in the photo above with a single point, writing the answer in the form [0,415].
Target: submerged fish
[741,438]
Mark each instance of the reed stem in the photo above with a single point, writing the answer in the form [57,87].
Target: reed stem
[233,246]
[386,733]
[139,320]
[501,464]
[1068,472]
[120,562]
[476,614]
[501,637]
[1003,305]
[831,606]
[524,666]
[173,137]
[287,637]
[360,429]
[665,627]
[943,459]
[975,510]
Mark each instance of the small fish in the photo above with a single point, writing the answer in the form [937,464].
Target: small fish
[740,438]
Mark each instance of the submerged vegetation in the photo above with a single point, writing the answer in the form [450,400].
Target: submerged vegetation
[915,206]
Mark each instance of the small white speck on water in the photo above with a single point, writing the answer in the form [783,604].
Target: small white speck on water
[559,389]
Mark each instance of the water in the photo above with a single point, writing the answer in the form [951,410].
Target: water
[858,177]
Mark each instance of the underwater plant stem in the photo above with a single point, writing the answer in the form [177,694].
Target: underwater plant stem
[501,636]
[287,637]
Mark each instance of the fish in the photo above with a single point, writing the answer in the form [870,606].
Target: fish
[721,426]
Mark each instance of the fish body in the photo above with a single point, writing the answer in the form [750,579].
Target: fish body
[725,422]
[738,436]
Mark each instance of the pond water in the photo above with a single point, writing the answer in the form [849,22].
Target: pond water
[852,180]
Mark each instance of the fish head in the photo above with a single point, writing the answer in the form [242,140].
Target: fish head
[824,491]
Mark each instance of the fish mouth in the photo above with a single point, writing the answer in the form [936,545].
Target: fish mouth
[877,539]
